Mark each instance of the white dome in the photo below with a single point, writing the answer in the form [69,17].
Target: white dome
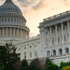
[12,23]
[9,6]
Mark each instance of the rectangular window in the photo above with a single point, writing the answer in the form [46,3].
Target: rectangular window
[30,55]
[64,37]
[5,19]
[52,40]
[11,19]
[8,19]
[46,32]
[58,39]
[52,31]
[47,42]
[2,20]
[35,54]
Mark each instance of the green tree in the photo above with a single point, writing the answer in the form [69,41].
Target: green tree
[64,64]
[24,65]
[47,60]
[8,56]
[2,67]
[50,66]
[35,65]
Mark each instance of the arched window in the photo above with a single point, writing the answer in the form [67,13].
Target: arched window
[54,52]
[48,53]
[67,50]
[60,51]
[25,55]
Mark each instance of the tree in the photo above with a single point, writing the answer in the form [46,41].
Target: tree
[50,66]
[64,64]
[2,67]
[35,65]
[47,60]
[8,56]
[24,65]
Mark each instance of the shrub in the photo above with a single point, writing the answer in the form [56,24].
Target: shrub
[66,68]
[24,65]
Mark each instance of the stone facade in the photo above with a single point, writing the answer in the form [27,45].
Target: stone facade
[53,41]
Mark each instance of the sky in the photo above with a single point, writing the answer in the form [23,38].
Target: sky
[36,10]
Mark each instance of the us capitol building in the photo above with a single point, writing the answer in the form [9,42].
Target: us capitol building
[53,40]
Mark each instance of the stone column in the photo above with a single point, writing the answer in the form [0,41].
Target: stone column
[68,25]
[10,31]
[24,33]
[62,33]
[21,33]
[28,34]
[50,37]
[17,33]
[14,32]
[0,32]
[56,35]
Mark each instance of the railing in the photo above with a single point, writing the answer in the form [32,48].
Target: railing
[2,41]
[56,16]
[33,37]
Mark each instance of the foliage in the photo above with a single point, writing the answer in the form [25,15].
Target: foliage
[2,67]
[35,65]
[17,65]
[63,64]
[47,60]
[25,68]
[66,68]
[50,66]
[8,56]
[24,65]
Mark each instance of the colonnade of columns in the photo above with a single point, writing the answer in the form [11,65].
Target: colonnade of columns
[62,33]
[13,32]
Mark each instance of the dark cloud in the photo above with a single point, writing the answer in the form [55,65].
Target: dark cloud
[38,5]
[32,4]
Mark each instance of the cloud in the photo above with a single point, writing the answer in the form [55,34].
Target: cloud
[31,34]
[67,3]
[29,5]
